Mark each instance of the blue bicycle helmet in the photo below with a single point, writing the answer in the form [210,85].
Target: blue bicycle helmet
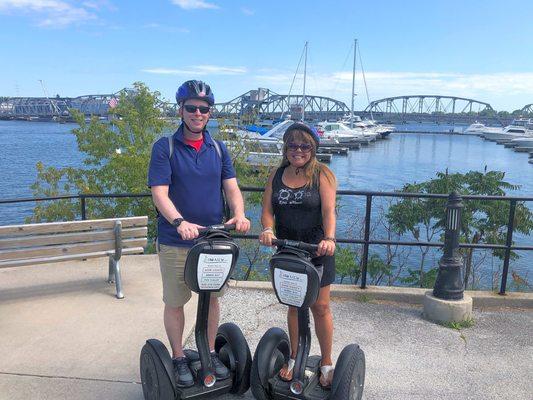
[301,126]
[195,90]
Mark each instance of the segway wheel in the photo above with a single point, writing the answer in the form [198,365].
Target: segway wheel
[234,352]
[349,377]
[271,353]
[155,364]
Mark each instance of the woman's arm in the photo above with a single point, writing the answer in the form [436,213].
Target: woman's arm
[267,214]
[328,193]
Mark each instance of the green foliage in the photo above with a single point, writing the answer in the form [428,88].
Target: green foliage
[467,323]
[482,221]
[116,161]
[420,278]
[347,264]
[378,269]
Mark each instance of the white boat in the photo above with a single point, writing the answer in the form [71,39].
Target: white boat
[523,142]
[343,134]
[478,129]
[518,128]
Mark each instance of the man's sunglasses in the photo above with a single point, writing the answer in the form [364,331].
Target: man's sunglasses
[192,109]
[305,147]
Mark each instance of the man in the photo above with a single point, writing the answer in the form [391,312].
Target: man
[186,184]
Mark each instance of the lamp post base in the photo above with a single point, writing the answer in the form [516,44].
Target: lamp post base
[442,311]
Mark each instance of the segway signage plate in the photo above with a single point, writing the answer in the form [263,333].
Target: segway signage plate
[291,287]
[210,262]
[213,270]
[295,279]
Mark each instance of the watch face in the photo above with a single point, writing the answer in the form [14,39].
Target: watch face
[177,222]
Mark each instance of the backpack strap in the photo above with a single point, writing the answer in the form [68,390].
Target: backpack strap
[219,152]
[170,145]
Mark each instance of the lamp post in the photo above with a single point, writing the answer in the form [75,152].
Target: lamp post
[449,282]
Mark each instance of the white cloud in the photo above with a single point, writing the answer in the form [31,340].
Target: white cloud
[492,88]
[194,4]
[247,11]
[50,13]
[199,70]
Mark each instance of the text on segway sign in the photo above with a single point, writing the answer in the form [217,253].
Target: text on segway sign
[291,287]
[213,269]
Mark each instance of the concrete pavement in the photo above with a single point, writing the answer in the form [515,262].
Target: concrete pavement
[63,335]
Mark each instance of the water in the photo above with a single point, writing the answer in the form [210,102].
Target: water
[382,166]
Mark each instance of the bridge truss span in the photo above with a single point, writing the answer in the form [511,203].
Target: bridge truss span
[430,107]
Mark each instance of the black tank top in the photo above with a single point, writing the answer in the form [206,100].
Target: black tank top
[297,212]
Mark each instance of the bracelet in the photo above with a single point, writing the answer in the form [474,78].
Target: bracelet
[267,229]
[332,239]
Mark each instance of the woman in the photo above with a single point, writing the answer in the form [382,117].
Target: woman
[299,204]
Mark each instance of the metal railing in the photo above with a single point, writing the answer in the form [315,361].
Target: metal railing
[508,247]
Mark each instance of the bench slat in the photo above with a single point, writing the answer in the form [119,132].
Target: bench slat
[19,242]
[71,226]
[58,250]
[34,261]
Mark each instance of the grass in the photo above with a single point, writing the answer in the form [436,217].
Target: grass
[467,323]
[364,298]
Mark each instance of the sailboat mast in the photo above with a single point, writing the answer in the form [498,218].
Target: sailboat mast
[353,81]
[305,72]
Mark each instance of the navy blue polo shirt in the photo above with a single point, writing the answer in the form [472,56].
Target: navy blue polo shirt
[194,182]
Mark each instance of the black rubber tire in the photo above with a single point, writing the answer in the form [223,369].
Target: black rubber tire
[155,379]
[349,377]
[233,351]
[271,353]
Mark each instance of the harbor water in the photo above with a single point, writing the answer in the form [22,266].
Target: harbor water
[385,165]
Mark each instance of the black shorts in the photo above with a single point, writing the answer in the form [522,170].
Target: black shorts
[328,272]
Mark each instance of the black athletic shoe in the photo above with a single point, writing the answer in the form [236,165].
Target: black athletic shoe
[182,372]
[221,371]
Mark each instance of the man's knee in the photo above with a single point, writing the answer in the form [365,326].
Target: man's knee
[174,310]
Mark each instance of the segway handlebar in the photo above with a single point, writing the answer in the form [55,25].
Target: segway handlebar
[225,227]
[294,243]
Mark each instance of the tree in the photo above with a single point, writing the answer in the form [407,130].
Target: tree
[483,221]
[116,161]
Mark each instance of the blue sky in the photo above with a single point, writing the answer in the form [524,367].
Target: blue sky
[475,49]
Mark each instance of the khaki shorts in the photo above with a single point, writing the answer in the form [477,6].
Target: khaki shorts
[172,264]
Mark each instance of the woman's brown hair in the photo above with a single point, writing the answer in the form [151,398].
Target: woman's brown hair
[313,168]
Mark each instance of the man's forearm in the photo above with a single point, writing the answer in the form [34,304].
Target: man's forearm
[235,202]
[165,206]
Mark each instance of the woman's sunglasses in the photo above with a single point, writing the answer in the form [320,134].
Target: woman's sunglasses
[192,109]
[304,147]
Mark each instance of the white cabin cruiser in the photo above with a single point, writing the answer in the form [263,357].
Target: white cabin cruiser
[478,129]
[518,128]
[340,132]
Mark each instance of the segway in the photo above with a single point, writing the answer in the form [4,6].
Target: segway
[209,264]
[296,282]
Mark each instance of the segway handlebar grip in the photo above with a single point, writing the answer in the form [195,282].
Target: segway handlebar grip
[225,227]
[294,243]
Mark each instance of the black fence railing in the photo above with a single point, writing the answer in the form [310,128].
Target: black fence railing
[366,241]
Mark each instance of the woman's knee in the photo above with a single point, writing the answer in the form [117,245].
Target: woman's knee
[320,309]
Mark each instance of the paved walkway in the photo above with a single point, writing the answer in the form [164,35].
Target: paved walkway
[63,335]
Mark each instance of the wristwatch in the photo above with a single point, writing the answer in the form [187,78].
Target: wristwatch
[177,222]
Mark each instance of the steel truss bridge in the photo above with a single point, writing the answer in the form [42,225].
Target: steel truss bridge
[527,110]
[431,108]
[266,104]
[49,108]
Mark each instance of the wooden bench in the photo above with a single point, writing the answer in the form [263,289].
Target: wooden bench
[32,244]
